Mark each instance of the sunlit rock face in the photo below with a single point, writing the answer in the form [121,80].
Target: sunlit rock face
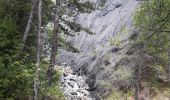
[100,53]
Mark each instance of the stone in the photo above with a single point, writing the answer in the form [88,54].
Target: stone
[73,86]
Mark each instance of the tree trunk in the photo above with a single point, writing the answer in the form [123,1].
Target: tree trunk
[138,70]
[168,72]
[50,70]
[27,29]
[36,78]
[136,85]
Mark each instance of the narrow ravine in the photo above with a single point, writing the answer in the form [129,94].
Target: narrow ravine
[74,86]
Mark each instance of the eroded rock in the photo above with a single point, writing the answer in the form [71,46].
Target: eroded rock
[73,86]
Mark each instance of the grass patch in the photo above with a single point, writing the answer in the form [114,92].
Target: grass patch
[115,42]
[124,30]
[115,95]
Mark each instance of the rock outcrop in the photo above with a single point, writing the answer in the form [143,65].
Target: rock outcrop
[73,86]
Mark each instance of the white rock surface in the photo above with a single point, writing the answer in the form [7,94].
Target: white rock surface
[106,23]
[73,86]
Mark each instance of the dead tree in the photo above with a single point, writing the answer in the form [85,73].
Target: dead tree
[31,15]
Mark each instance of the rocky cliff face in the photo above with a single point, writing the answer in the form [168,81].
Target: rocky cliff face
[100,53]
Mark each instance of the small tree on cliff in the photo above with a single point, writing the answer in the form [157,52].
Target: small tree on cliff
[70,8]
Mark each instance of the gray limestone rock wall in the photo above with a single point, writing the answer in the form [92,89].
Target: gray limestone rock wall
[100,53]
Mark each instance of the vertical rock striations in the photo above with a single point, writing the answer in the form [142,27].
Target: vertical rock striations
[100,53]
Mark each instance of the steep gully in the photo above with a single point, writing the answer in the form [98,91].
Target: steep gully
[73,86]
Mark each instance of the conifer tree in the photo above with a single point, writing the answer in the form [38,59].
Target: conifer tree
[152,19]
[58,28]
[68,6]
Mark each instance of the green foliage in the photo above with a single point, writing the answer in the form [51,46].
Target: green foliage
[153,14]
[115,95]
[64,30]
[47,9]
[115,41]
[16,65]
[102,3]
[93,52]
[122,74]
[124,30]
[53,91]
[16,77]
[16,9]
[7,33]
[153,19]
[75,27]
[61,40]
[82,7]
[71,8]
[107,59]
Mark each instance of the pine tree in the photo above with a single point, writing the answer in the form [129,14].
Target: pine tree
[152,19]
[59,28]
[54,43]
